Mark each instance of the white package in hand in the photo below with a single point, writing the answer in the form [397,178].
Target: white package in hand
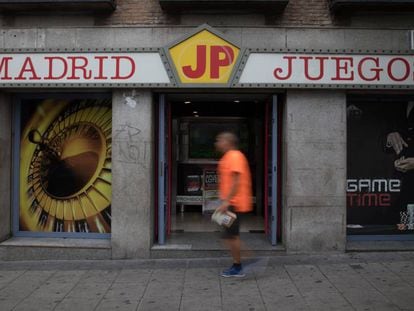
[224,219]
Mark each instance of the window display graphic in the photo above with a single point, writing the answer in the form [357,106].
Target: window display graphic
[211,194]
[203,136]
[65,165]
[380,185]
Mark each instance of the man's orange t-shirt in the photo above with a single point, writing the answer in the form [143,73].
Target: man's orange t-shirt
[234,161]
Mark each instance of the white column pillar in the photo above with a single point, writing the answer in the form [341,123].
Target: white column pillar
[315,171]
[5,166]
[132,175]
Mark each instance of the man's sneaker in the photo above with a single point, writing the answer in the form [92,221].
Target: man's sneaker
[233,272]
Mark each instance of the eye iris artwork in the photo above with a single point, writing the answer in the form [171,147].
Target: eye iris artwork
[65,167]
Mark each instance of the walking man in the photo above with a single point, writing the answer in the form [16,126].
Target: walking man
[235,189]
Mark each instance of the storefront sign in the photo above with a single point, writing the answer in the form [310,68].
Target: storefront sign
[327,69]
[82,68]
[204,58]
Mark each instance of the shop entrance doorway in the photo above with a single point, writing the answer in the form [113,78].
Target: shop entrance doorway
[187,181]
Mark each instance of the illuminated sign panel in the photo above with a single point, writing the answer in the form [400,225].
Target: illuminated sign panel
[328,69]
[204,58]
[82,68]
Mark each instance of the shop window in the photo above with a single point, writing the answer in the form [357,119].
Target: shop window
[380,185]
[63,165]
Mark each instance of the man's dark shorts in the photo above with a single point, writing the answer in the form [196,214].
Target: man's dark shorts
[234,230]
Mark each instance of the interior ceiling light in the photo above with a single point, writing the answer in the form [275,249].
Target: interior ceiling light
[195,112]
[187,102]
[237,101]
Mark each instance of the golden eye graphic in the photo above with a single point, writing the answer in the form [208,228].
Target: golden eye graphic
[65,167]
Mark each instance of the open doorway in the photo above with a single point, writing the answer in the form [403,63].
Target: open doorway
[187,170]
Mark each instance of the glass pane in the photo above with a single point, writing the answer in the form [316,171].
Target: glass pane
[203,136]
[380,167]
[65,165]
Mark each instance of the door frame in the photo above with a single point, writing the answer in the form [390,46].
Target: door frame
[272,216]
[163,170]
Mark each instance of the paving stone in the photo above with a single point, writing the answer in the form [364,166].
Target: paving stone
[171,264]
[204,263]
[241,294]
[58,285]
[163,290]
[201,290]
[317,291]
[78,304]
[139,264]
[388,283]
[100,276]
[199,303]
[404,269]
[8,276]
[25,284]
[85,290]
[355,281]
[138,276]
[36,304]
[129,291]
[355,289]
[9,303]
[123,304]
[155,304]
[278,289]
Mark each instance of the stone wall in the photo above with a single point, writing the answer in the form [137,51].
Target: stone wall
[123,37]
[314,158]
[298,13]
[132,171]
[5,166]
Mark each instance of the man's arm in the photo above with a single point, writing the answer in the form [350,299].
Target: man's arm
[235,178]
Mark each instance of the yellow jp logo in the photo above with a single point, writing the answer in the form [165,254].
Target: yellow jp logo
[204,58]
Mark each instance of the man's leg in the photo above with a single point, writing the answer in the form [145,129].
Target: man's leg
[234,246]
[233,243]
[236,270]
[232,239]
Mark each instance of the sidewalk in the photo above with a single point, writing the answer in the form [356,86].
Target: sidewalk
[353,281]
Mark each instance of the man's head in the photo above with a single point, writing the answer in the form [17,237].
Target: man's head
[226,141]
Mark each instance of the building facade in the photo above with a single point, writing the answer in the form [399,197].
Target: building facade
[109,111]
